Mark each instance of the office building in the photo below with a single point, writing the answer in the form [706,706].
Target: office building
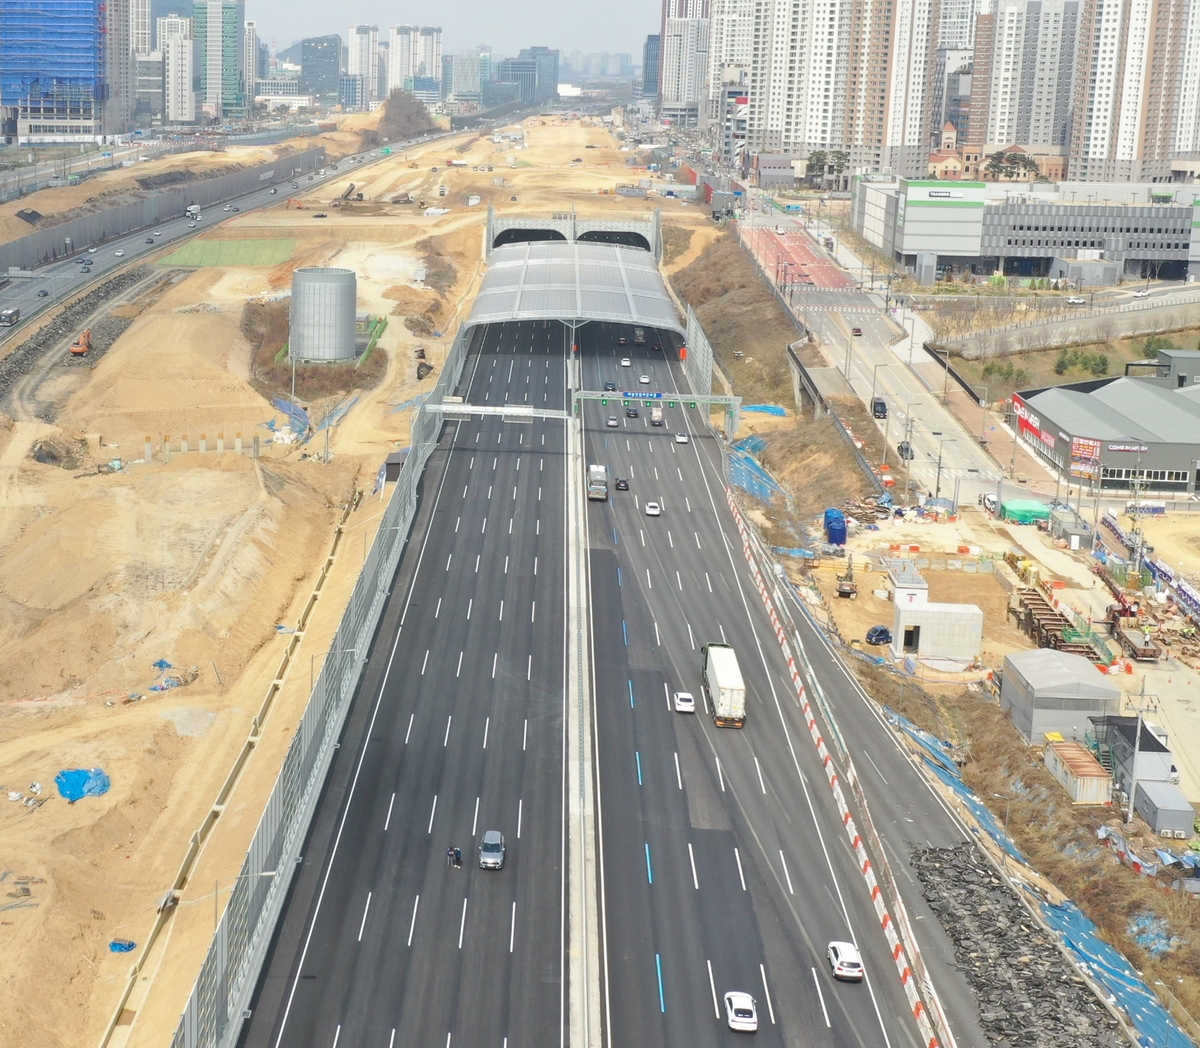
[149,107]
[66,69]
[651,66]
[354,93]
[461,77]
[179,73]
[321,67]
[218,30]
[546,60]
[363,58]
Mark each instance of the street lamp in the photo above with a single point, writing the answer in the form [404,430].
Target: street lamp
[874,376]
[217,891]
[908,424]
[911,320]
[983,403]
[937,489]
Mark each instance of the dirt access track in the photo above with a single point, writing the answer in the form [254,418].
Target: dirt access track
[196,560]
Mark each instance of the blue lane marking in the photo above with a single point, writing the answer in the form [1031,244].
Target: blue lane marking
[606,443]
[662,1002]
[631,694]
[625,633]
[614,536]
[649,872]
[618,577]
[638,757]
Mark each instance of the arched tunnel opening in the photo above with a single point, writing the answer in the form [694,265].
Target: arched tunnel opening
[615,236]
[525,236]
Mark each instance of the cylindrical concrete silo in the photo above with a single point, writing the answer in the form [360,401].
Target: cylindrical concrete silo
[322,314]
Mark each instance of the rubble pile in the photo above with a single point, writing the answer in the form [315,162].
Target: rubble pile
[1029,995]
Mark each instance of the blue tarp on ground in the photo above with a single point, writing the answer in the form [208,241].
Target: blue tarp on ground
[122,945]
[74,783]
[766,409]
[753,445]
[1107,966]
[748,475]
[296,415]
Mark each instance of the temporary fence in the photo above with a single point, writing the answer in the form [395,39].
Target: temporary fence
[216,1007]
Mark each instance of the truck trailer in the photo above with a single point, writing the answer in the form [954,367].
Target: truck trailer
[724,689]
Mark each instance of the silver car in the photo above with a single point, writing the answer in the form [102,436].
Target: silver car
[491,850]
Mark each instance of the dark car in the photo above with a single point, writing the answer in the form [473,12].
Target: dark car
[904,449]
[149,240]
[856,331]
[631,412]
[609,387]
[879,635]
[879,407]
[622,341]
[43,293]
[622,484]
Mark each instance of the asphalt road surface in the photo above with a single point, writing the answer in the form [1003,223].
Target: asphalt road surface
[458,728]
[725,865]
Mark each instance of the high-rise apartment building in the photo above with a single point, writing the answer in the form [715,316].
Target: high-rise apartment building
[178,50]
[956,23]
[414,51]
[363,57]
[730,44]
[217,25]
[321,67]
[683,94]
[140,32]
[249,63]
[429,51]
[651,66]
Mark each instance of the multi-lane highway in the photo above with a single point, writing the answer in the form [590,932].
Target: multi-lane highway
[725,866]
[459,729]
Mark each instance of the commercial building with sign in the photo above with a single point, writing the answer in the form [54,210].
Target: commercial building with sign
[1117,433]
[1088,232]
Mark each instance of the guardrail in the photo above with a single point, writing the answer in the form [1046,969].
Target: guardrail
[215,1009]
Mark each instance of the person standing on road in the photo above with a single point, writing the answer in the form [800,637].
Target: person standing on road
[458,857]
[450,855]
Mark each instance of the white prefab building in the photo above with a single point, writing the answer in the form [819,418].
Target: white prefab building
[1054,691]
[1165,809]
[1078,772]
[937,631]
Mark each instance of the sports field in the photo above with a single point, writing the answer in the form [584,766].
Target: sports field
[231,253]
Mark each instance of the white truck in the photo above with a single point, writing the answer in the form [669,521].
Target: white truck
[656,416]
[639,336]
[724,689]
[597,486]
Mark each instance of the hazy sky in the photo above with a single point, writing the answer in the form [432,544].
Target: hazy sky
[508,25]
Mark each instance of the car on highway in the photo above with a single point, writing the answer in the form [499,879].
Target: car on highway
[681,438]
[622,341]
[43,293]
[91,250]
[191,225]
[622,483]
[227,208]
[644,380]
[609,387]
[235,209]
[844,961]
[684,703]
[491,850]
[1144,293]
[613,422]
[320,214]
[1077,302]
[905,451]
[856,331]
[626,362]
[79,261]
[119,253]
[631,411]
[158,232]
[653,509]
[149,240]
[310,178]
[879,635]
[273,192]
[741,1012]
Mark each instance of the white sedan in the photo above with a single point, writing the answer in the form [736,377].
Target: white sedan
[119,254]
[684,703]
[681,438]
[1141,294]
[653,509]
[644,380]
[741,1012]
[626,362]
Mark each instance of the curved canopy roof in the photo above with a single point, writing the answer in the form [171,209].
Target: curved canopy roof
[574,282]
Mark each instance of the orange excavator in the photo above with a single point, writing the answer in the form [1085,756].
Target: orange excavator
[83,343]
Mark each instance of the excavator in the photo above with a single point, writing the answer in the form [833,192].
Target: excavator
[83,343]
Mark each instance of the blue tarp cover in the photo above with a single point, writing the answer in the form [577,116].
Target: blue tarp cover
[74,783]
[296,415]
[766,409]
[122,945]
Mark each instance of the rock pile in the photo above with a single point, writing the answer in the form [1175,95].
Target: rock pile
[1029,995]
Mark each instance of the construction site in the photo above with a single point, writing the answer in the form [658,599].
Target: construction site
[169,521]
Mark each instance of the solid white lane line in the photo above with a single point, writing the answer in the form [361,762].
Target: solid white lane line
[787,876]
[758,768]
[424,661]
[713,986]
[411,716]
[741,875]
[692,858]
[388,821]
[337,1035]
[475,820]
[363,923]
[446,737]
[767,992]
[487,723]
[461,926]
[520,810]
[678,777]
[821,997]
[525,733]
[495,659]
[512,932]
[432,812]
[720,777]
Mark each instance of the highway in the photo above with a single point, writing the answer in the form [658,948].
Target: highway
[725,865]
[458,728]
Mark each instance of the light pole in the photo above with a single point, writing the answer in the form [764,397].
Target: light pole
[937,489]
[1007,809]
[983,420]
[874,376]
[908,424]
[911,320]
[312,663]
[217,892]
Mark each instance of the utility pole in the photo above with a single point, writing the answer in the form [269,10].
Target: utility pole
[937,491]
[1142,707]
